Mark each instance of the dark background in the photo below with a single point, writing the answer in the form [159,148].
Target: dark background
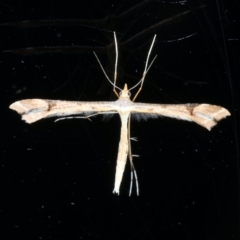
[57,178]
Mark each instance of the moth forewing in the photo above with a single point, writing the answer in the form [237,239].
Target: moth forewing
[33,110]
[205,115]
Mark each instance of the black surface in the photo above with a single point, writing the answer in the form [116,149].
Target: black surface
[57,178]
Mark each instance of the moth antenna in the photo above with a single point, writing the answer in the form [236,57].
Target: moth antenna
[146,73]
[116,62]
[145,69]
[151,64]
[105,72]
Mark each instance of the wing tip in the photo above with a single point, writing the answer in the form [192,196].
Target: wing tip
[208,115]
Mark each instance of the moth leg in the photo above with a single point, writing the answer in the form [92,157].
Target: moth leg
[85,117]
[133,170]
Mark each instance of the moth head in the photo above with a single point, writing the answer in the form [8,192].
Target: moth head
[125,92]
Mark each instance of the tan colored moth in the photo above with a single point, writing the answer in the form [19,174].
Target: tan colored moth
[205,115]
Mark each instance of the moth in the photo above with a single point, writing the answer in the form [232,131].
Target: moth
[205,115]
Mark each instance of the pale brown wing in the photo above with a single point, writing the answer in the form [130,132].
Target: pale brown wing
[33,110]
[205,115]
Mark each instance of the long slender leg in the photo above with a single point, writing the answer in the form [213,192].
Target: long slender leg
[85,116]
[133,170]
